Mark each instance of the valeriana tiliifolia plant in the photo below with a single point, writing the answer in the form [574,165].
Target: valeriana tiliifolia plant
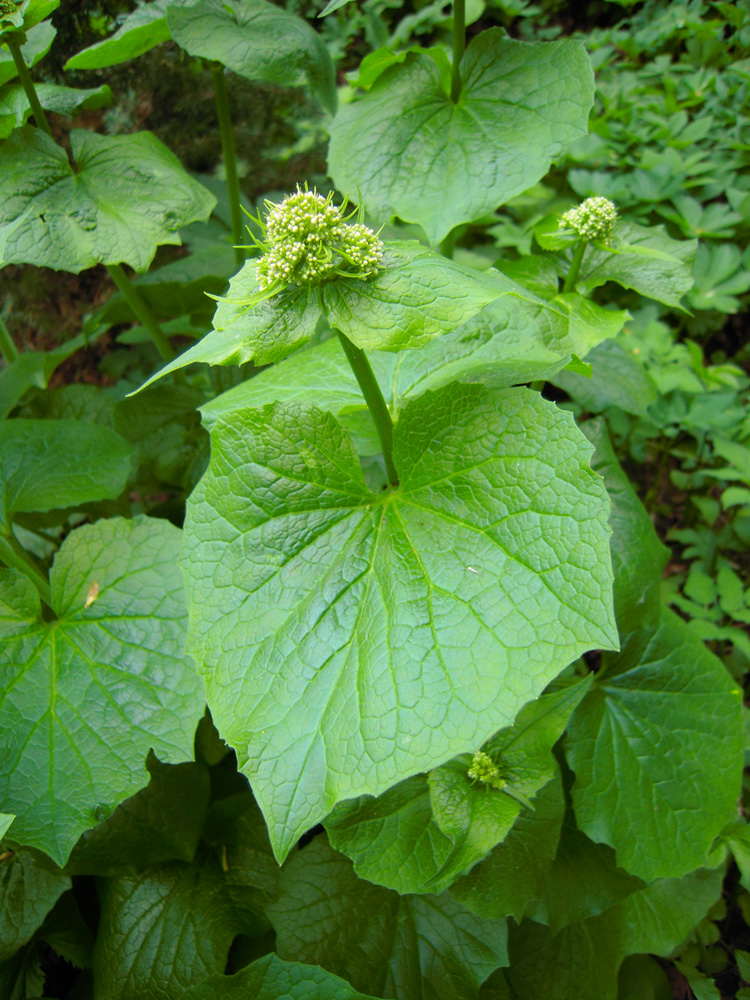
[379,611]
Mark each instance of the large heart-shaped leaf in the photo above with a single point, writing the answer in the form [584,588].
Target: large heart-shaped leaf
[58,463]
[425,832]
[15,109]
[659,810]
[401,628]
[271,978]
[85,697]
[416,154]
[258,40]
[139,32]
[128,196]
[395,946]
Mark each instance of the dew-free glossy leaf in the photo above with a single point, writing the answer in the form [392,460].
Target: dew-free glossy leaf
[129,195]
[423,833]
[416,154]
[582,960]
[139,32]
[15,109]
[58,463]
[403,628]
[391,945]
[38,43]
[85,697]
[666,277]
[28,891]
[657,751]
[163,930]
[617,379]
[271,978]
[5,822]
[257,40]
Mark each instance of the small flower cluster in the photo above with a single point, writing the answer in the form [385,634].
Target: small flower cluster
[594,219]
[484,769]
[8,6]
[308,241]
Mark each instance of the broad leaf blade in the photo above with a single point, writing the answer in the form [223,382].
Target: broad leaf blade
[521,105]
[128,196]
[404,946]
[139,32]
[38,43]
[659,810]
[257,40]
[58,463]
[15,109]
[28,891]
[71,755]
[497,513]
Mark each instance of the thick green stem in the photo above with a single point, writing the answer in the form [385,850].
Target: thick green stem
[375,402]
[141,310]
[459,44]
[575,267]
[28,85]
[230,158]
[7,348]
[16,557]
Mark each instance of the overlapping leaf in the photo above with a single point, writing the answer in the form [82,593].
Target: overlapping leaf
[85,697]
[416,154]
[139,32]
[128,196]
[28,891]
[38,43]
[15,109]
[271,978]
[400,628]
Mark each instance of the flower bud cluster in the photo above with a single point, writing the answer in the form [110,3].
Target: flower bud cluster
[483,768]
[593,220]
[308,241]
[8,7]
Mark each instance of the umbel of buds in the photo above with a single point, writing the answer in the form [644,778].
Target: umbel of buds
[594,220]
[8,7]
[484,769]
[308,240]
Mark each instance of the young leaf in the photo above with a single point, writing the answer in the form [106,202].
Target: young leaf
[72,754]
[651,263]
[28,891]
[128,196]
[15,109]
[38,43]
[521,104]
[271,978]
[582,960]
[58,463]
[405,946]
[163,930]
[660,811]
[425,617]
[257,40]
[139,32]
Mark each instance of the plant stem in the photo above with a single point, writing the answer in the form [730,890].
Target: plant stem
[141,310]
[230,158]
[16,557]
[28,85]
[7,348]
[575,267]
[375,402]
[447,245]
[459,44]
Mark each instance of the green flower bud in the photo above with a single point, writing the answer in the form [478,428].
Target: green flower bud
[483,768]
[593,220]
[8,7]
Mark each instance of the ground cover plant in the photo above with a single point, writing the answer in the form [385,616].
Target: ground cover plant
[372,604]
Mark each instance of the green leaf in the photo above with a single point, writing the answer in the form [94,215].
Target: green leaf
[618,379]
[637,580]
[70,753]
[163,931]
[423,833]
[162,822]
[425,617]
[66,932]
[582,960]
[521,105]
[46,464]
[582,881]
[665,277]
[257,40]
[28,891]
[270,978]
[391,945]
[128,196]
[22,977]
[35,11]
[659,810]
[5,822]
[642,978]
[38,43]
[145,28]
[15,109]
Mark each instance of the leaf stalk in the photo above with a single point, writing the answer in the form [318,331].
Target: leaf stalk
[16,557]
[230,157]
[575,267]
[28,85]
[376,404]
[141,310]
[7,348]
